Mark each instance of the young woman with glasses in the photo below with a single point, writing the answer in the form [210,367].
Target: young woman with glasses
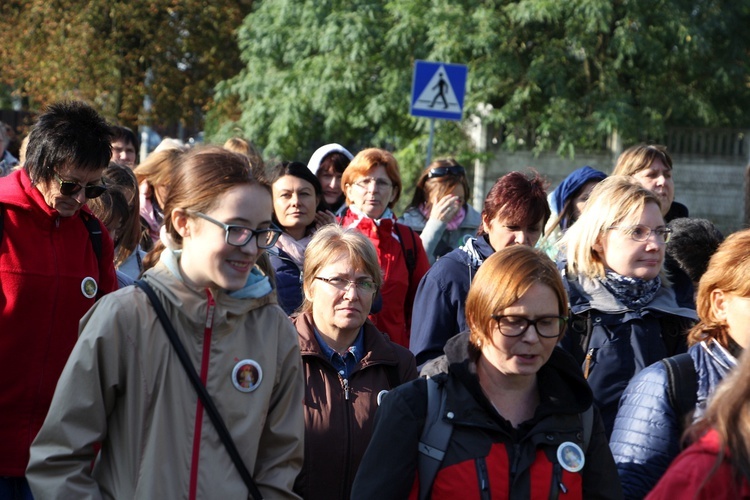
[514,403]
[347,361]
[125,388]
[372,184]
[439,211]
[625,313]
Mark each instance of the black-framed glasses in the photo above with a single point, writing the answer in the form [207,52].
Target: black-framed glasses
[343,284]
[639,232]
[69,188]
[456,170]
[239,236]
[549,327]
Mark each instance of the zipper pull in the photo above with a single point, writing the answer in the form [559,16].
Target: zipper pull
[346,389]
[587,363]
[563,488]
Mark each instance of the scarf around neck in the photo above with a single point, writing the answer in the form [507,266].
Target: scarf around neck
[634,293]
[452,224]
[295,249]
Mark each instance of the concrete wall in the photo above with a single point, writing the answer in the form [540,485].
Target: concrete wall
[711,186]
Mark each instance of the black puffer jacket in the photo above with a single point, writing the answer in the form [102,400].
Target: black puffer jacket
[517,462]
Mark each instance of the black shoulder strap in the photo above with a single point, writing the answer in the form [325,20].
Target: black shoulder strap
[587,418]
[95,233]
[434,440]
[410,253]
[682,384]
[205,398]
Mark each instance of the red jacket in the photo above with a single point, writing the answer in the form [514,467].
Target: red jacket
[692,475]
[399,288]
[44,259]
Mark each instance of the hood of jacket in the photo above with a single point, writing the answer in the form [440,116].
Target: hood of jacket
[321,152]
[562,388]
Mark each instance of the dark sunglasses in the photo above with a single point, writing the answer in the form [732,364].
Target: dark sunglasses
[69,188]
[456,170]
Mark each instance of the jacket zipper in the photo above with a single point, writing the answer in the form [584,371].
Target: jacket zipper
[484,480]
[205,355]
[347,418]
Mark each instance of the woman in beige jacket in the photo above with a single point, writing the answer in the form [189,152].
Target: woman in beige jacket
[124,386]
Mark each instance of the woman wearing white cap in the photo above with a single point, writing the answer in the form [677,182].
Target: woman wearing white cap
[328,164]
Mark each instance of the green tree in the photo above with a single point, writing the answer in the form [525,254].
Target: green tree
[558,75]
[113,53]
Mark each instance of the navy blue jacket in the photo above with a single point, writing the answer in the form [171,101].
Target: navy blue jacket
[288,280]
[622,341]
[439,303]
[646,437]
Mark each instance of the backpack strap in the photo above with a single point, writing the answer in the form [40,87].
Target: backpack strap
[95,233]
[409,253]
[587,418]
[682,383]
[433,442]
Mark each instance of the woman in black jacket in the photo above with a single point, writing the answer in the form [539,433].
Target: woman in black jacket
[515,405]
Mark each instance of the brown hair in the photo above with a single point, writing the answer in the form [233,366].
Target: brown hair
[204,175]
[121,177]
[503,279]
[244,147]
[440,186]
[327,244]
[728,271]
[368,159]
[518,199]
[640,157]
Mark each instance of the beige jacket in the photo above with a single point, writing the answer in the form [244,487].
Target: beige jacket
[125,387]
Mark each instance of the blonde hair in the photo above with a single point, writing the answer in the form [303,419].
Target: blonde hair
[728,271]
[502,280]
[617,200]
[327,244]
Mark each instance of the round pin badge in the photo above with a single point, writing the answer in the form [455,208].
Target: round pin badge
[247,375]
[570,456]
[89,287]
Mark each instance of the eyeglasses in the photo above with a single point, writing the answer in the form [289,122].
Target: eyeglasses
[549,327]
[239,236]
[69,188]
[642,233]
[343,284]
[456,170]
[380,184]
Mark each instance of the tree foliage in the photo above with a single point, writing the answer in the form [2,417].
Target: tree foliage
[113,53]
[558,75]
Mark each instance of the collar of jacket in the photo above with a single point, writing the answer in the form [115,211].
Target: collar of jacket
[585,294]
[191,302]
[378,349]
[562,388]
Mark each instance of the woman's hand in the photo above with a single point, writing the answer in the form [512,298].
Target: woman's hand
[324,217]
[446,208]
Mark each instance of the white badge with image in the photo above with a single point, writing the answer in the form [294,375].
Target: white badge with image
[570,456]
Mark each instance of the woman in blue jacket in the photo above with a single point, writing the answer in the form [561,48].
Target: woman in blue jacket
[625,316]
[646,436]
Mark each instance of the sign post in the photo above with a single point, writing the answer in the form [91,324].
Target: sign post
[437,92]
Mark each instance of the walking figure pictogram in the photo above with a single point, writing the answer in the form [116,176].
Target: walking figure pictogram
[442,86]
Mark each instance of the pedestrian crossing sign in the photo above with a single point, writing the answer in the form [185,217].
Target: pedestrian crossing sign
[438,89]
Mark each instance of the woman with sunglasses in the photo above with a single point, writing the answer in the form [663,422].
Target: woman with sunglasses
[347,361]
[51,272]
[125,387]
[438,210]
[625,316]
[515,415]
[372,184]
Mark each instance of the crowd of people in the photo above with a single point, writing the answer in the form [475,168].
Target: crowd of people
[201,325]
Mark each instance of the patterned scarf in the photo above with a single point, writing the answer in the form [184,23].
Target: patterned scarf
[634,293]
[451,225]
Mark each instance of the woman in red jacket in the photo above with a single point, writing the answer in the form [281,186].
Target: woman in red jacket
[717,466]
[372,184]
